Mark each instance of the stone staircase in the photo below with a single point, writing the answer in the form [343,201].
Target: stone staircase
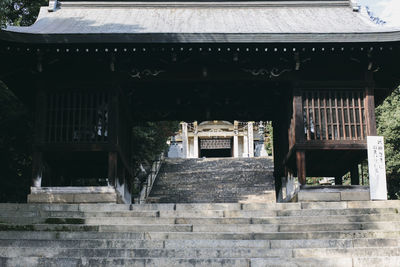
[359,233]
[214,180]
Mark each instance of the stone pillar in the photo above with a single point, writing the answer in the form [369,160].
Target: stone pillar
[245,147]
[185,141]
[235,139]
[250,138]
[195,141]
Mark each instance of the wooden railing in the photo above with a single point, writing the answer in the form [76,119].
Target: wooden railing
[334,115]
[146,187]
[77,117]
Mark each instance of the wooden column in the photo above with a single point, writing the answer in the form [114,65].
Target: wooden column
[112,167]
[40,137]
[113,134]
[301,166]
[298,116]
[299,135]
[37,169]
[370,105]
[355,175]
[338,180]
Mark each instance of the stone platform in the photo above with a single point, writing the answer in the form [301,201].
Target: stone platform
[82,194]
[333,193]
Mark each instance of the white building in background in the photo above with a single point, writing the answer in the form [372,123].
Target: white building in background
[219,139]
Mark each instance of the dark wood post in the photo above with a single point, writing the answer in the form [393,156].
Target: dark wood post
[355,176]
[112,167]
[298,116]
[40,135]
[299,135]
[37,169]
[301,166]
[114,131]
[338,180]
[370,105]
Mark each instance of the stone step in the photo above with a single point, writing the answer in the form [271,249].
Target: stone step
[292,220]
[261,228]
[35,209]
[114,262]
[217,228]
[94,220]
[325,212]
[67,235]
[274,236]
[221,262]
[80,214]
[181,244]
[99,228]
[85,243]
[199,253]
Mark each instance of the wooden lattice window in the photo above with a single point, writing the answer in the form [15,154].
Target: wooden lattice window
[216,143]
[77,117]
[334,114]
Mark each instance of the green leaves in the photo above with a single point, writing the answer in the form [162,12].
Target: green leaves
[388,123]
[19,12]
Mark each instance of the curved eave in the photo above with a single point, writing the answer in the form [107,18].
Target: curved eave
[177,38]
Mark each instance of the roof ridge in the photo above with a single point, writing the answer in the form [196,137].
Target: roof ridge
[201,3]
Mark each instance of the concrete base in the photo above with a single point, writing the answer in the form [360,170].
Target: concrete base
[95,194]
[333,193]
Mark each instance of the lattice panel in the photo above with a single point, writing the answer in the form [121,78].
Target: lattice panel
[334,115]
[77,117]
[217,143]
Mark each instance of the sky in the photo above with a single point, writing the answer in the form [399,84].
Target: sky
[387,10]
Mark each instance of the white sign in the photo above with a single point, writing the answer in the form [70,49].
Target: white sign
[376,168]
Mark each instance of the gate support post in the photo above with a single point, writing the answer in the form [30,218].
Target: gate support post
[301,166]
[354,174]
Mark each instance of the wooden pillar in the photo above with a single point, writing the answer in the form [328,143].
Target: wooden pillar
[37,169]
[298,116]
[40,137]
[338,180]
[355,175]
[112,167]
[301,166]
[370,105]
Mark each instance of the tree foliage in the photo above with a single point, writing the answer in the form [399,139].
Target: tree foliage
[388,124]
[19,12]
[150,139]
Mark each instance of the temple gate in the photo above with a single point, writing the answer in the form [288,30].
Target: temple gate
[316,69]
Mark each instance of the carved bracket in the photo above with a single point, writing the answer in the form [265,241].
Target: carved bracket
[138,74]
[270,73]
